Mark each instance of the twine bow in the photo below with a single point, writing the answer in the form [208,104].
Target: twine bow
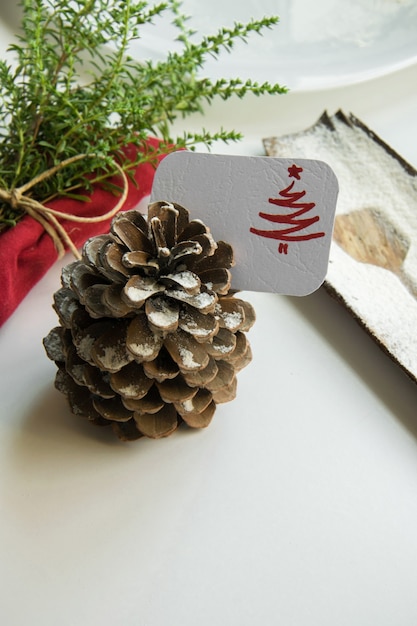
[47,217]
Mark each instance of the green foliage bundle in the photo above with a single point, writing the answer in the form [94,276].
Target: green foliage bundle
[68,92]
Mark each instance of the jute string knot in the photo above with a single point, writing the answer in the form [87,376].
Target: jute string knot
[15,198]
[49,218]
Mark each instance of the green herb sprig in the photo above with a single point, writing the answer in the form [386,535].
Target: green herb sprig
[66,92]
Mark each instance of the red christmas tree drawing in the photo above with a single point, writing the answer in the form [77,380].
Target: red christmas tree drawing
[294,221]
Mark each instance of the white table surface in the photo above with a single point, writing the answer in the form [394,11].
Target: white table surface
[297,506]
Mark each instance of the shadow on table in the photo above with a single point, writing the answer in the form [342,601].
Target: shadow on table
[48,428]
[384,377]
[50,434]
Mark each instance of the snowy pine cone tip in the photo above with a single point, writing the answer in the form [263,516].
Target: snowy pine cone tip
[150,334]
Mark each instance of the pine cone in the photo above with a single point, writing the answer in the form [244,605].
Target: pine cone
[151,335]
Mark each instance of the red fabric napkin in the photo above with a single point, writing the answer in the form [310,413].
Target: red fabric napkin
[27,251]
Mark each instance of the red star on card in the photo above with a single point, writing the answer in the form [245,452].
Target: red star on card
[294,171]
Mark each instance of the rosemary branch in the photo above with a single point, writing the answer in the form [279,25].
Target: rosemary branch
[65,91]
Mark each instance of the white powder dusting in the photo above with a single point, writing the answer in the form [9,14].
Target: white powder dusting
[188,323]
[162,315]
[203,299]
[200,301]
[187,358]
[55,347]
[186,279]
[142,349]
[232,320]
[129,391]
[78,373]
[138,289]
[202,332]
[84,347]
[136,294]
[112,357]
[188,405]
[223,348]
[162,319]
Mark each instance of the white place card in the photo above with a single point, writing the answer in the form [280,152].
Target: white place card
[277,213]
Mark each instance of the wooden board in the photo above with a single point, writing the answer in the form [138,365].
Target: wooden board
[373,257]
